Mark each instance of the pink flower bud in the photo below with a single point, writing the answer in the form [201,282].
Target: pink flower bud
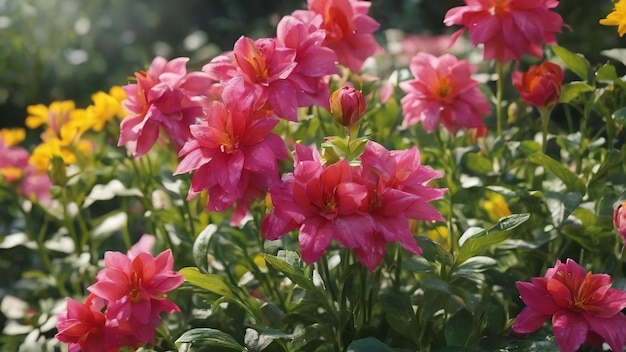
[619,220]
[541,85]
[347,105]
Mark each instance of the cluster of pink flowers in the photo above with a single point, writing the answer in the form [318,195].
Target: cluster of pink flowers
[583,307]
[361,207]
[16,169]
[124,305]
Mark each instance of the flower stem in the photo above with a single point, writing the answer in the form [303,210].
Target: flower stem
[544,112]
[499,92]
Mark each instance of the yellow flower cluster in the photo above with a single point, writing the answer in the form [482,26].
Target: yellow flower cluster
[65,125]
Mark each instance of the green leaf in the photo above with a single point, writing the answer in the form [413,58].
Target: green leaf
[369,344]
[606,72]
[575,62]
[473,243]
[207,337]
[571,181]
[433,283]
[417,265]
[258,338]
[433,251]
[459,328]
[618,54]
[211,282]
[572,90]
[293,271]
[399,314]
[201,247]
[619,117]
[303,336]
[562,205]
[478,163]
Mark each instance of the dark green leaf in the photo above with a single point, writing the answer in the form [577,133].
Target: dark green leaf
[571,181]
[459,328]
[562,205]
[606,72]
[479,163]
[201,337]
[399,314]
[575,62]
[433,251]
[417,264]
[304,336]
[369,344]
[436,284]
[293,271]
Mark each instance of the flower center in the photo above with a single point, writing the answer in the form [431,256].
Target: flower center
[500,7]
[135,287]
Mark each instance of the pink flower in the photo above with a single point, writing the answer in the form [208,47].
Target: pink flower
[348,29]
[233,155]
[81,327]
[144,245]
[135,288]
[443,92]
[260,69]
[314,61]
[583,307]
[619,220]
[507,28]
[36,185]
[166,97]
[362,208]
[347,105]
[397,191]
[321,201]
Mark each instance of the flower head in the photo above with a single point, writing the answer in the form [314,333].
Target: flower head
[508,29]
[583,307]
[166,97]
[495,206]
[135,289]
[349,29]
[541,85]
[443,92]
[347,105]
[234,156]
[617,18]
[619,220]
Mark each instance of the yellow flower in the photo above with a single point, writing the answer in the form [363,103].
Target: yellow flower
[10,173]
[43,153]
[118,93]
[495,206]
[105,108]
[617,18]
[12,136]
[54,116]
[441,235]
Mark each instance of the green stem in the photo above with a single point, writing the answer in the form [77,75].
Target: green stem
[499,93]
[544,112]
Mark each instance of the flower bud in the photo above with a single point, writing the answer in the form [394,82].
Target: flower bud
[619,220]
[541,85]
[347,105]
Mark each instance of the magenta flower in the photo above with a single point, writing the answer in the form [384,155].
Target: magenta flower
[397,191]
[348,29]
[260,69]
[583,307]
[135,290]
[321,201]
[82,327]
[314,61]
[508,29]
[234,156]
[443,91]
[362,208]
[165,97]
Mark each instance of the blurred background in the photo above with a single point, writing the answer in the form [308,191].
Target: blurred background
[69,49]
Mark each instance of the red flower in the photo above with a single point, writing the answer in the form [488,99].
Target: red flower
[443,91]
[541,85]
[507,28]
[583,307]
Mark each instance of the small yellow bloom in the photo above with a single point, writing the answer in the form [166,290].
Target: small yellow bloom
[12,136]
[495,206]
[617,18]
[54,116]
[10,173]
[441,235]
[105,107]
[43,153]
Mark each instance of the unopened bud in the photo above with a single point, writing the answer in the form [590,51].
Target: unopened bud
[347,105]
